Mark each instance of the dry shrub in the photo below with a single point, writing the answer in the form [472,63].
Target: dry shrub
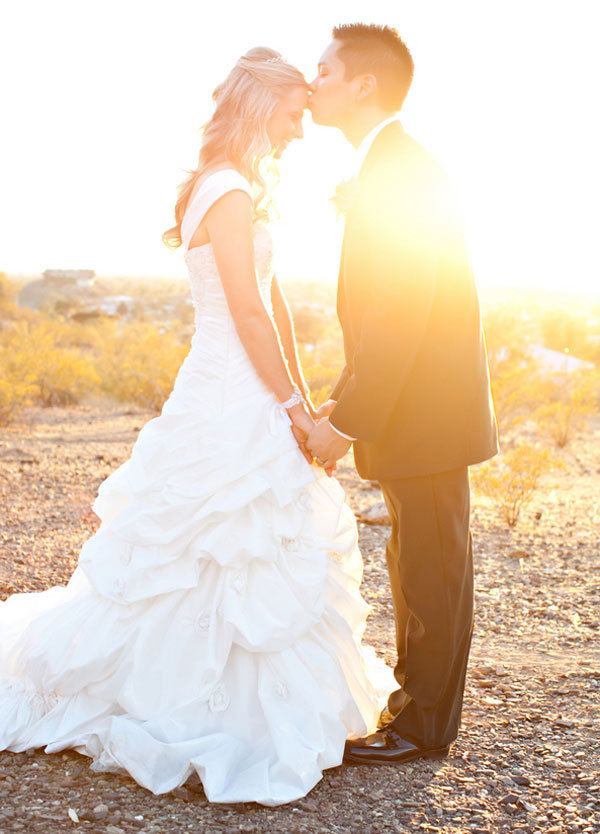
[515,375]
[9,309]
[17,386]
[8,293]
[320,349]
[511,479]
[139,364]
[63,374]
[570,400]
[517,391]
[321,369]
[35,367]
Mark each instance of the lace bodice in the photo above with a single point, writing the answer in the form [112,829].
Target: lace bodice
[206,287]
[208,295]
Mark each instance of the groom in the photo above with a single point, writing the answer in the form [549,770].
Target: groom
[414,396]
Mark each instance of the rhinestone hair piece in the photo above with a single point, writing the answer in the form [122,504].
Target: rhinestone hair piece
[250,64]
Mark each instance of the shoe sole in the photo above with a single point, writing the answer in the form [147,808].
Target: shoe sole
[440,753]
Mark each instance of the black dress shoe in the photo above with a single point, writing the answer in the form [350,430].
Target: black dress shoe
[386,746]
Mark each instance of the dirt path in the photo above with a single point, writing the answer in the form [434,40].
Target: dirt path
[528,757]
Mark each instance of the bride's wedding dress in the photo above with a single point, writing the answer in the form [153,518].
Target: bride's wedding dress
[213,622]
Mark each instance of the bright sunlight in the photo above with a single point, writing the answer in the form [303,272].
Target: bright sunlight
[106,106]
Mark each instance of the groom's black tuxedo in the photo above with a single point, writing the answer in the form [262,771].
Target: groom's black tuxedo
[415,393]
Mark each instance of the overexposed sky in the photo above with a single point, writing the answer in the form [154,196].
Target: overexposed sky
[102,102]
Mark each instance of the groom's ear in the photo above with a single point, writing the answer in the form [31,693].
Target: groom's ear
[367,86]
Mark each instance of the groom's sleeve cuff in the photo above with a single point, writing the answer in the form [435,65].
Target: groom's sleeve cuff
[341,433]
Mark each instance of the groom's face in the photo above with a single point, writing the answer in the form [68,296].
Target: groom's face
[332,97]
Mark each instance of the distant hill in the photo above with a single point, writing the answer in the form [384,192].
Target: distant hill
[62,287]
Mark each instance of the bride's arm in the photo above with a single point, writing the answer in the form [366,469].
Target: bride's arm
[285,328]
[229,226]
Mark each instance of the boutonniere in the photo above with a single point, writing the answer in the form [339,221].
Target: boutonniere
[346,195]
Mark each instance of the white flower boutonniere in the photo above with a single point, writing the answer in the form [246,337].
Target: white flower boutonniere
[346,195]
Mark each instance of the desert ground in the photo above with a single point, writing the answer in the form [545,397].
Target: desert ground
[528,755]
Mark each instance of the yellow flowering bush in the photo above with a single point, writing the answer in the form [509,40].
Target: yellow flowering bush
[17,389]
[139,363]
[35,367]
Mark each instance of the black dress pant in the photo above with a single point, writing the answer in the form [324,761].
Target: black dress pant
[430,562]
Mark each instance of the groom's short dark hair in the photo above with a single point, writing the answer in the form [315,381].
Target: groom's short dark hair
[369,48]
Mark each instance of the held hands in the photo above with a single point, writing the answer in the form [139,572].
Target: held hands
[303,425]
[325,444]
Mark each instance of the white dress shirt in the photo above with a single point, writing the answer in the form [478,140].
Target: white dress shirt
[365,145]
[360,156]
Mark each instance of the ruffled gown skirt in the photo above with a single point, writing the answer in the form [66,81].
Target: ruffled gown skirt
[213,622]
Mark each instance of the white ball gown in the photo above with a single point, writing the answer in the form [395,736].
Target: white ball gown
[213,622]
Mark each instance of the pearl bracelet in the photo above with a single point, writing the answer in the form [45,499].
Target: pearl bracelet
[297,398]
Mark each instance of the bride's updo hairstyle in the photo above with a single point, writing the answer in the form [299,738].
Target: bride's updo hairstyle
[237,130]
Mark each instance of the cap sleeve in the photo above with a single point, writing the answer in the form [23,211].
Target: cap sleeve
[213,187]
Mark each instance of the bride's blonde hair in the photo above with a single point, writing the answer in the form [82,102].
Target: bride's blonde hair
[237,130]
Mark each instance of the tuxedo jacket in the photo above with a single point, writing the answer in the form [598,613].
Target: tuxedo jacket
[415,390]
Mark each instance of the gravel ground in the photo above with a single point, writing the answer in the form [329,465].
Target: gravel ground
[527,758]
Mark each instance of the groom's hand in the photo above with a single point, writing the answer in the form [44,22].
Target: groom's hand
[326,445]
[325,410]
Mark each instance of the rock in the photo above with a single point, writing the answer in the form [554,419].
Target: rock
[521,779]
[377,514]
[519,554]
[100,811]
[307,805]
[17,455]
[531,809]
[183,793]
[509,799]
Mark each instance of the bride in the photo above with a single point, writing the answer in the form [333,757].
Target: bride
[213,622]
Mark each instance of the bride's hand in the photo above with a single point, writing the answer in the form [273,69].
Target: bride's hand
[302,424]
